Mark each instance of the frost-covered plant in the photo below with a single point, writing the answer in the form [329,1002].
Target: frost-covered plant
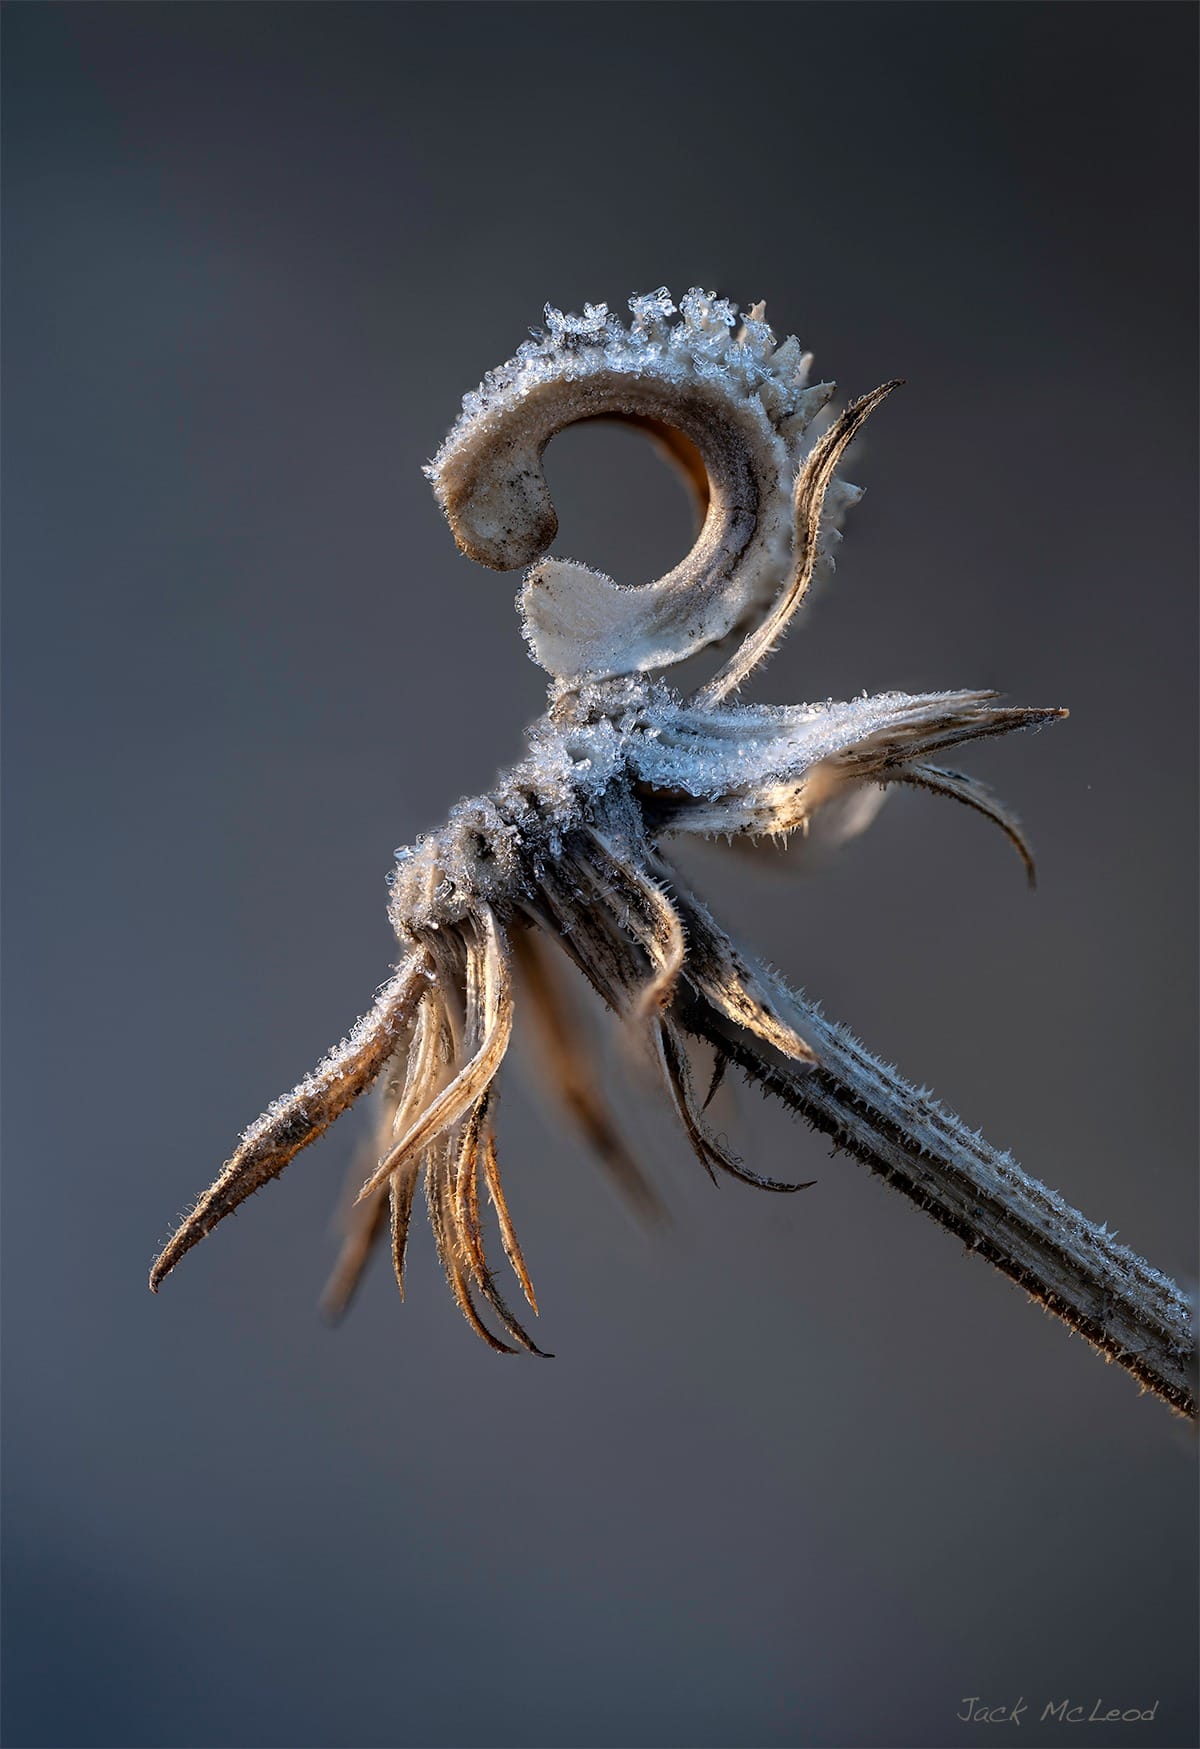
[570,843]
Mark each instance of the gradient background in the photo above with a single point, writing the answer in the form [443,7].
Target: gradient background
[802,1473]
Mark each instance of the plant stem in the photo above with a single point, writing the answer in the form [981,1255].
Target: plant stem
[1125,1308]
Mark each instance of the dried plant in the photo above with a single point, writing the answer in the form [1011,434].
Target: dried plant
[569,844]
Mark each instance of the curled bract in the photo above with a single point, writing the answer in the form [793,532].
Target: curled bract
[729,403]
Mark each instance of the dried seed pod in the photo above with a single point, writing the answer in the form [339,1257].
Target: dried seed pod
[570,842]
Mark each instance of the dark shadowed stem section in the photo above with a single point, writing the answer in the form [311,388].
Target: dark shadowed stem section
[1099,1288]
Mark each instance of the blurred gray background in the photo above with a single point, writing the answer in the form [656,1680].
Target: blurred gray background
[802,1473]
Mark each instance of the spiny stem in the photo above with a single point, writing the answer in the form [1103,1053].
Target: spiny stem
[1125,1308]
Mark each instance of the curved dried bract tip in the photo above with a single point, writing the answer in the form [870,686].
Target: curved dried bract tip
[414,1066]
[476,1151]
[678,1081]
[489,971]
[428,1056]
[605,940]
[643,908]
[730,983]
[973,794]
[360,1224]
[737,396]
[939,720]
[390,1207]
[363,1226]
[767,769]
[402,1187]
[721,1062]
[291,1123]
[439,1195]
[508,1234]
[563,1059]
[816,477]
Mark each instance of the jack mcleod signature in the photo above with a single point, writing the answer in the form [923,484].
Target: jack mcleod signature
[977,1711]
